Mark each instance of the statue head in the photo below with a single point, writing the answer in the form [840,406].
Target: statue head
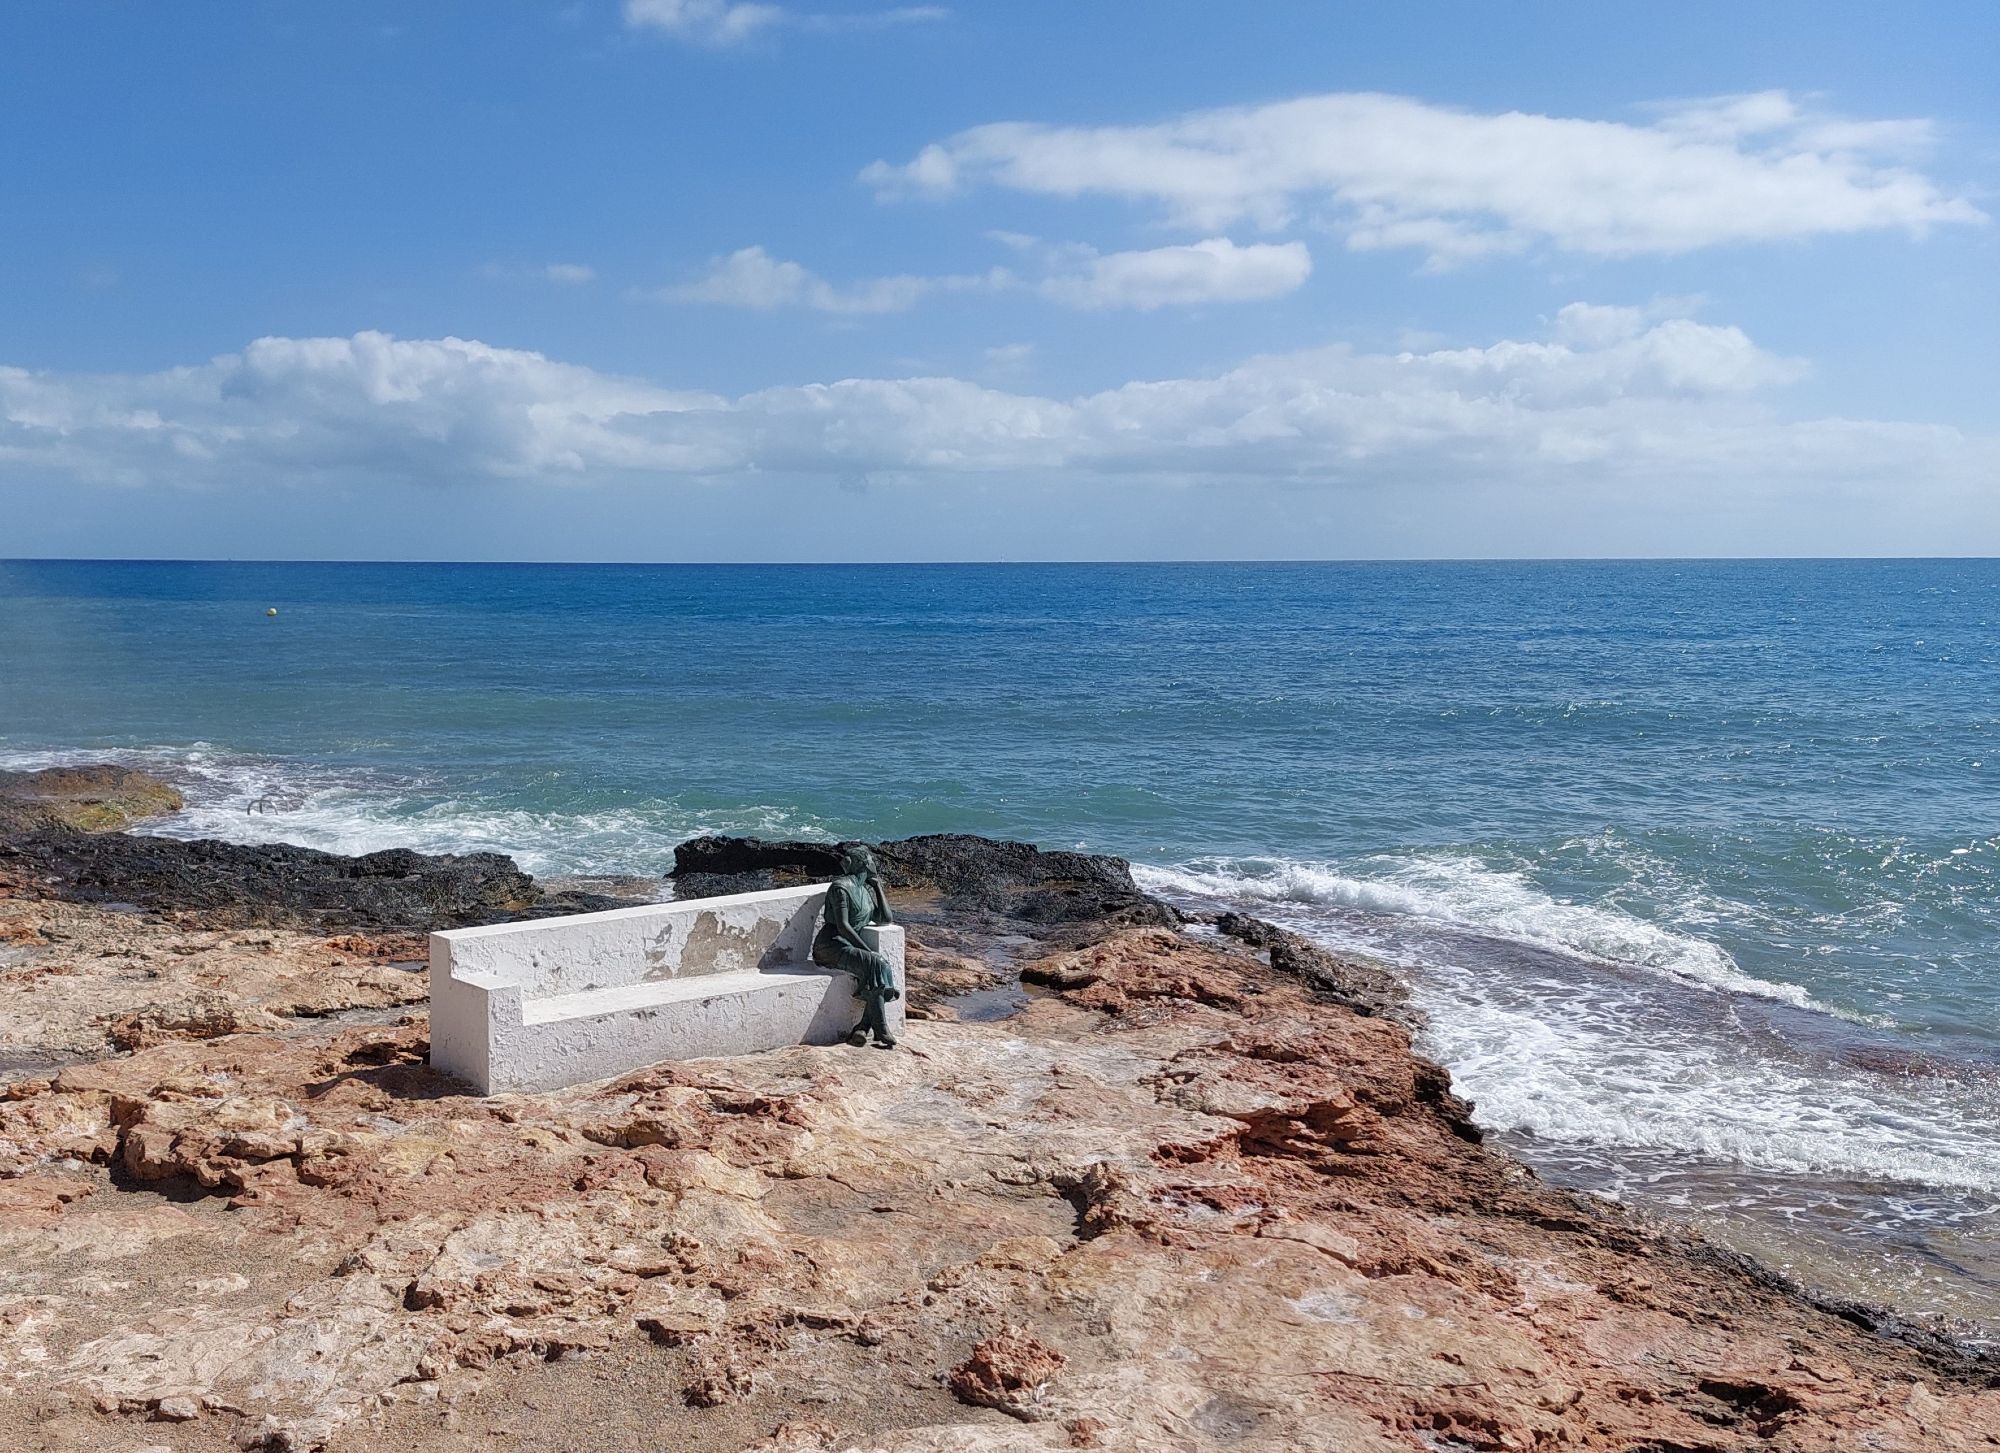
[857,861]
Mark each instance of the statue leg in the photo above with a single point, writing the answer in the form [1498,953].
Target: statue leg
[878,1021]
[859,1036]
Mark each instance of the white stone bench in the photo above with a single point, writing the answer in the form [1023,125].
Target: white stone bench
[565,1001]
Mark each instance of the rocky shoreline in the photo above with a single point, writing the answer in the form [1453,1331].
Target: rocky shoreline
[1191,1189]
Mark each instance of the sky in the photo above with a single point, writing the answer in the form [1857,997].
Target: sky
[1131,279]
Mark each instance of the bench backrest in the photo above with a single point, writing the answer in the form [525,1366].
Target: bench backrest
[585,951]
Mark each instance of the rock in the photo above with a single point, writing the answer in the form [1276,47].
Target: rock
[1354,983]
[95,798]
[203,1015]
[944,878]
[93,979]
[176,1410]
[41,1195]
[937,975]
[229,883]
[1008,1371]
[1180,1203]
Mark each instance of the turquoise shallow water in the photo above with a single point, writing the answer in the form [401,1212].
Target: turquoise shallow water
[1696,864]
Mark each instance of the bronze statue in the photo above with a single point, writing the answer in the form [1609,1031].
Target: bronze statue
[855,903]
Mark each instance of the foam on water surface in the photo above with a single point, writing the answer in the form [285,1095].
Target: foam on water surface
[245,798]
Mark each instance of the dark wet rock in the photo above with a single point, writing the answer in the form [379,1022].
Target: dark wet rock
[977,885]
[283,885]
[746,864]
[1364,987]
[98,797]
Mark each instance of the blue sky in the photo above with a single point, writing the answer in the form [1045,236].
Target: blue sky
[703,279]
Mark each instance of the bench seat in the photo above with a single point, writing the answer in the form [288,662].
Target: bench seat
[568,1001]
[635,998]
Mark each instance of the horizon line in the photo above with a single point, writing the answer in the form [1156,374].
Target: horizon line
[1002,563]
[961,565]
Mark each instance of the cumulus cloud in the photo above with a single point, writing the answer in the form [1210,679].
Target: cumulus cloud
[1393,172]
[729,22]
[751,278]
[369,405]
[1213,271]
[1610,399]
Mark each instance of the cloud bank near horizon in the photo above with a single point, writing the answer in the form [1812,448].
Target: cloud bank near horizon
[1642,400]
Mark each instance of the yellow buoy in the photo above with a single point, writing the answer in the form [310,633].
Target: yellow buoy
[272,611]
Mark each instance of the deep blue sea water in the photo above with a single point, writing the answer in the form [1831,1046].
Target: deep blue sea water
[1695,864]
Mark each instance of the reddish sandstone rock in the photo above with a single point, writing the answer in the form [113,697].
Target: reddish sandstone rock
[1008,1371]
[1178,1203]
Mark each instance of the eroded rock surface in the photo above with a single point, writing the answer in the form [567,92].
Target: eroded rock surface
[97,797]
[283,885]
[1345,979]
[79,982]
[1180,1202]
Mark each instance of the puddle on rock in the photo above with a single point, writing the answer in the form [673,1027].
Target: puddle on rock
[985,1006]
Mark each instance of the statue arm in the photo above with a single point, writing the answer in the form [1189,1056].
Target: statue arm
[880,893]
[840,921]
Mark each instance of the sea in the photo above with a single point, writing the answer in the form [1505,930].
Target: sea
[1694,865]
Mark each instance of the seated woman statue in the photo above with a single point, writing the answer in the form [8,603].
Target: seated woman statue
[854,905]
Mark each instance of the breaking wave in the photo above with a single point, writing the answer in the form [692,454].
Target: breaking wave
[1459,890]
[242,798]
[1612,1034]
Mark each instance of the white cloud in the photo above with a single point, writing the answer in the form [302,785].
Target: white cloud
[569,274]
[1392,172]
[1213,271]
[366,406]
[751,278]
[729,22]
[1613,402]
[706,22]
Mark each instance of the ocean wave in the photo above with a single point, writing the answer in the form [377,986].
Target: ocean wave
[1589,1072]
[1602,1061]
[244,798]
[1462,891]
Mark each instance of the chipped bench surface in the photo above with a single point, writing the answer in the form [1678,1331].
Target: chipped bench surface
[572,1000]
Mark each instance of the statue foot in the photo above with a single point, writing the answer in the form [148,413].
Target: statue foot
[858,1038]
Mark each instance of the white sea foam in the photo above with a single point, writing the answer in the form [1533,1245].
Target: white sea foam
[1612,1061]
[1594,1069]
[1460,890]
[242,798]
